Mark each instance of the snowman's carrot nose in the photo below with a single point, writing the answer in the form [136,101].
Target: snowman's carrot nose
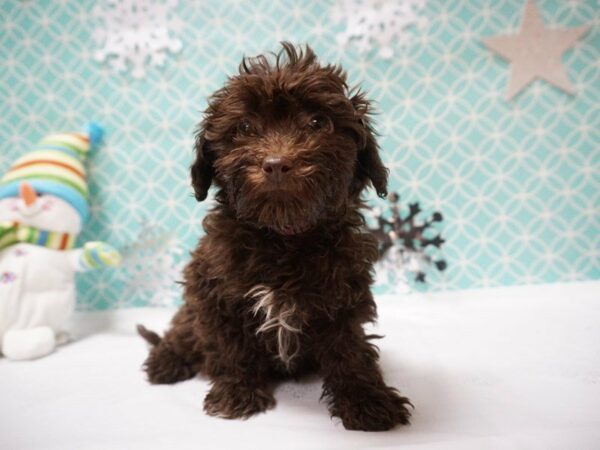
[27,193]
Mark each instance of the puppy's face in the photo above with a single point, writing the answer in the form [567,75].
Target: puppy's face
[286,145]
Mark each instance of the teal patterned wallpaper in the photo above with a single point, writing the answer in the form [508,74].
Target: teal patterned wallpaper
[518,182]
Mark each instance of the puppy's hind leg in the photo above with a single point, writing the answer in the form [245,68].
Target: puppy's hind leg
[175,357]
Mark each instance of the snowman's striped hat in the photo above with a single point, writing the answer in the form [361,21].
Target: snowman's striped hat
[55,167]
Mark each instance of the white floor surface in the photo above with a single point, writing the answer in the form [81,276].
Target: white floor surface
[502,368]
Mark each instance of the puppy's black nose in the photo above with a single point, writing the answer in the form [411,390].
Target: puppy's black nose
[276,166]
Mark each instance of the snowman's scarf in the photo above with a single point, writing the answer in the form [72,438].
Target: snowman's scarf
[13,233]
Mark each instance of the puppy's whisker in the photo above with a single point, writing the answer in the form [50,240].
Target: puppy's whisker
[306,171]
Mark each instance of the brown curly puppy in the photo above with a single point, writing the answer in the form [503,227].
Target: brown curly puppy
[279,285]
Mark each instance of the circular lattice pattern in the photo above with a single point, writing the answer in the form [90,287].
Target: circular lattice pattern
[518,183]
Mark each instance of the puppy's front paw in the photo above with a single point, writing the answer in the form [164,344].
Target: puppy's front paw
[372,409]
[237,401]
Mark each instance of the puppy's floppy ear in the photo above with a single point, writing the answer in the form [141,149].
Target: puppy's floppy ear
[369,164]
[202,169]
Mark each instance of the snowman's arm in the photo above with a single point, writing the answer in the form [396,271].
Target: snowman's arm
[94,255]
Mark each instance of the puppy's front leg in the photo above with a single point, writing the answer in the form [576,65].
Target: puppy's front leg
[354,387]
[240,380]
[236,398]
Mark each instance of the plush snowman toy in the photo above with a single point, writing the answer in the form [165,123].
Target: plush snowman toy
[43,206]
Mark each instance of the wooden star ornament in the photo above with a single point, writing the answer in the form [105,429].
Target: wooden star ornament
[536,52]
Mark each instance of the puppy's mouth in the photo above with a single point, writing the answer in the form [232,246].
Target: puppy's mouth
[288,208]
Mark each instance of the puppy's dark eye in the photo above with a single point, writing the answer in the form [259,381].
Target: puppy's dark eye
[319,122]
[244,127]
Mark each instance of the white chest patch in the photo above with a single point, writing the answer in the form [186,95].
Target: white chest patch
[277,318]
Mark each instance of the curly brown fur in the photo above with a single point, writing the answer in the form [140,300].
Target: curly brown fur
[280,284]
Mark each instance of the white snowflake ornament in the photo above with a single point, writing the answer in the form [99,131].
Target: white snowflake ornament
[391,271]
[385,23]
[134,33]
[152,267]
